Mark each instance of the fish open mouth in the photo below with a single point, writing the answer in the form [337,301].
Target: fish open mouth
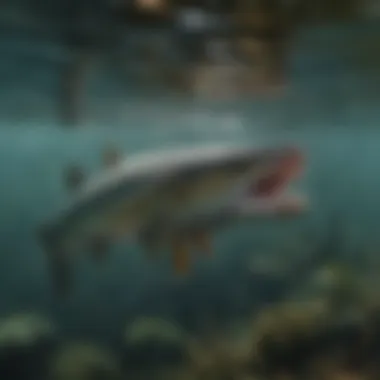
[271,191]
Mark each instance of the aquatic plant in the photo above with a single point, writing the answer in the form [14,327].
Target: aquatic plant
[310,340]
[283,336]
[289,340]
[341,287]
[84,361]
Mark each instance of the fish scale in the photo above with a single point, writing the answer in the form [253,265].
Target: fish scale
[171,200]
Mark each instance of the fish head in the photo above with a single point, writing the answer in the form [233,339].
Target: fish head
[267,190]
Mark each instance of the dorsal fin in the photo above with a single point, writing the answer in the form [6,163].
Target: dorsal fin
[111,157]
[74,177]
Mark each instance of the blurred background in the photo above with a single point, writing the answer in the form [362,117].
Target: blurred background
[279,300]
[288,54]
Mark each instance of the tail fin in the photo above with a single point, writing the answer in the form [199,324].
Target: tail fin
[58,264]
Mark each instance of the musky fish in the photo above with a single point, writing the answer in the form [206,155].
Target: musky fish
[170,199]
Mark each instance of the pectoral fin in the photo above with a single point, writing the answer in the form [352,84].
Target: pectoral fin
[181,256]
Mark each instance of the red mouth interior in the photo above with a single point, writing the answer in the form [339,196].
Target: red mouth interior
[268,186]
[272,184]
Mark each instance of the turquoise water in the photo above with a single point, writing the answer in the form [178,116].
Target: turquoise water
[331,111]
